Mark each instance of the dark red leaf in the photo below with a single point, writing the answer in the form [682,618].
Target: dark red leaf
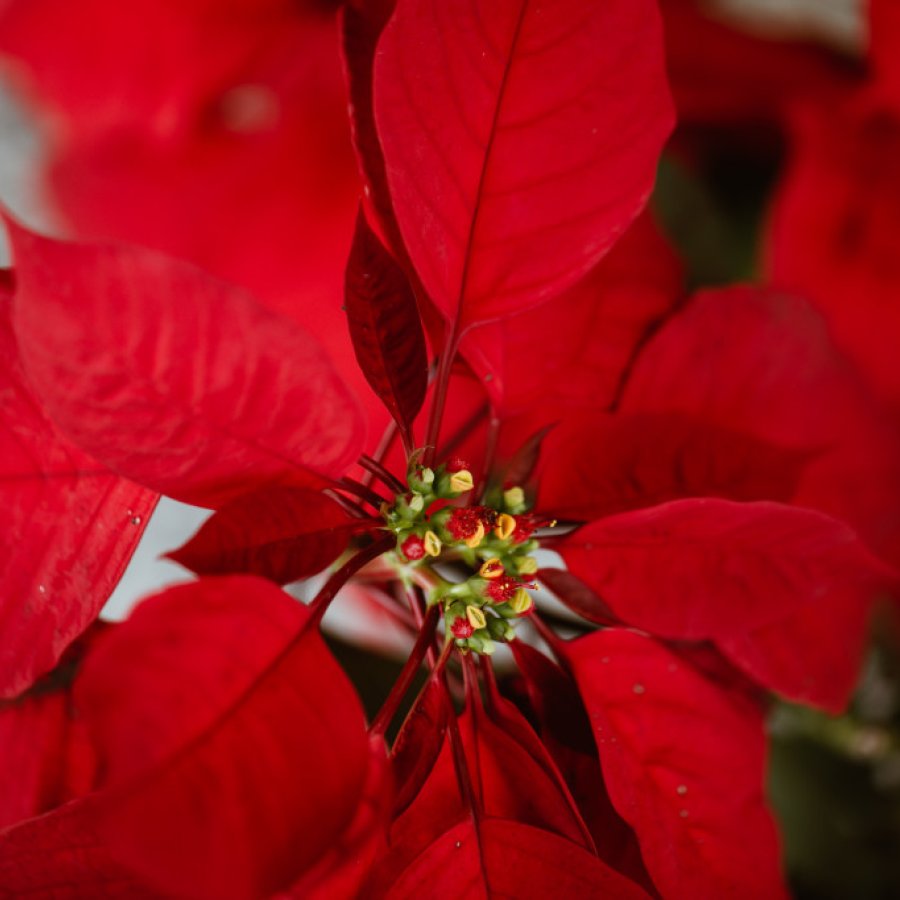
[834,225]
[419,742]
[343,871]
[514,783]
[385,327]
[62,855]
[281,533]
[761,362]
[641,459]
[44,748]
[502,858]
[69,528]
[521,467]
[234,747]
[577,596]
[573,353]
[685,765]
[178,380]
[510,722]
[566,732]
[520,140]
[711,569]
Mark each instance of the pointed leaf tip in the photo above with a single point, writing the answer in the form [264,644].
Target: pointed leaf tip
[385,326]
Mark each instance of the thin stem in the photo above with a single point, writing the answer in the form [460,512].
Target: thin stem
[386,442]
[465,430]
[323,599]
[473,700]
[407,673]
[461,764]
[442,384]
[492,692]
[552,640]
[493,438]
[353,508]
[373,467]
[407,439]
[352,486]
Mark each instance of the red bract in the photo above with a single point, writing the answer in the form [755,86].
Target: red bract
[554,125]
[241,734]
[214,131]
[69,524]
[122,338]
[696,804]
[504,153]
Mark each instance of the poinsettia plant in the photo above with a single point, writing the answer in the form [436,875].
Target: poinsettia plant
[537,379]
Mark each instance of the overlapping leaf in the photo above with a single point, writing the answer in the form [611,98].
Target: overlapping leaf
[227,733]
[504,858]
[283,534]
[684,764]
[69,528]
[179,381]
[520,140]
[712,569]
[385,327]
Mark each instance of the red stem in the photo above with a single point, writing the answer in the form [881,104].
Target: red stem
[352,486]
[373,467]
[493,438]
[349,506]
[550,637]
[323,599]
[442,384]
[408,672]
[465,430]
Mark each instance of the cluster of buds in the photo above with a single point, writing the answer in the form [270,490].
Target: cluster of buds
[477,611]
[408,517]
[493,540]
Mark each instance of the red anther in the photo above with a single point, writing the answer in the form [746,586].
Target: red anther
[464,522]
[456,464]
[501,589]
[413,547]
[462,629]
[525,528]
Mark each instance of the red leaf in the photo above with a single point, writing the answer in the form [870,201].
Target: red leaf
[711,569]
[504,858]
[419,742]
[69,528]
[762,363]
[641,459]
[834,230]
[509,780]
[343,871]
[61,855]
[44,747]
[574,353]
[520,140]
[566,732]
[515,783]
[281,533]
[685,765]
[577,596]
[216,395]
[200,135]
[234,744]
[385,327]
